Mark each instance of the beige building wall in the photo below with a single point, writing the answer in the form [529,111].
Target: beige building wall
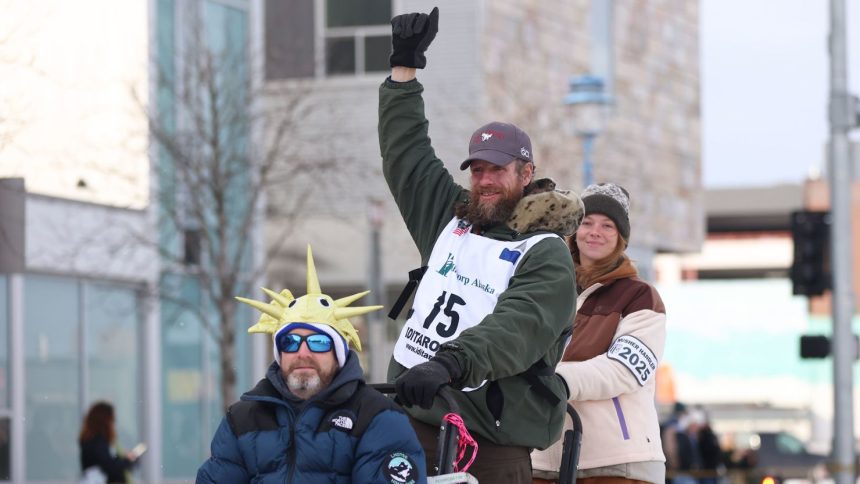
[74,77]
[652,143]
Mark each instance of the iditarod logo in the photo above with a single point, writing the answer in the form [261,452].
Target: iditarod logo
[448,266]
[400,469]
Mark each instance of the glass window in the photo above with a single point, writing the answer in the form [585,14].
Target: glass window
[356,37]
[55,325]
[349,13]
[789,444]
[352,24]
[4,342]
[5,474]
[340,55]
[376,52]
[185,442]
[289,39]
[51,311]
[113,360]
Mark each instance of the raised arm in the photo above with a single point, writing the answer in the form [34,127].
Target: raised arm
[422,188]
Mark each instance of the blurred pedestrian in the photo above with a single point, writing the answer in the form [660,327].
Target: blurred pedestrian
[609,365]
[668,435]
[99,449]
[709,454]
[686,455]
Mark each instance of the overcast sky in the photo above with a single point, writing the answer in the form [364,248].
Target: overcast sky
[765,81]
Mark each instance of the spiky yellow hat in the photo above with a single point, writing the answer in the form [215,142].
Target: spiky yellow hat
[314,309]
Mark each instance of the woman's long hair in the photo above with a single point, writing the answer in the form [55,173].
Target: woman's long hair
[585,277]
[98,421]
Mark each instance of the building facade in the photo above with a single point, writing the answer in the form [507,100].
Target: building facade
[87,320]
[77,317]
[491,60]
[325,59]
[103,291]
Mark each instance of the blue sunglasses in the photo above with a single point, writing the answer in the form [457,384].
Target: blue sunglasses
[317,343]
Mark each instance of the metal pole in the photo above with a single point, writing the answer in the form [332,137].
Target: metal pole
[844,346]
[587,147]
[376,325]
[17,354]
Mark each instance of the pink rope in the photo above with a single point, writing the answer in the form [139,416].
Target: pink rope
[464,441]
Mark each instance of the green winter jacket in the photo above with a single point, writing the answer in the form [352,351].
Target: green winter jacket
[531,320]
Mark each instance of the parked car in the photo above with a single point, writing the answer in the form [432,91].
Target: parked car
[775,455]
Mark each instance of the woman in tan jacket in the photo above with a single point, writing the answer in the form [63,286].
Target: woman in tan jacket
[618,337]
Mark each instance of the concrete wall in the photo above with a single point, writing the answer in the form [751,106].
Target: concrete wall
[77,238]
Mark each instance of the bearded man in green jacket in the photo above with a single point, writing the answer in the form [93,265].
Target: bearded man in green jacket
[493,309]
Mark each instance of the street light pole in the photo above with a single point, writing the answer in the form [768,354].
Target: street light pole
[588,168]
[375,323]
[843,119]
[589,110]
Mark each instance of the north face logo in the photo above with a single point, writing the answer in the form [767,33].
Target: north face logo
[342,422]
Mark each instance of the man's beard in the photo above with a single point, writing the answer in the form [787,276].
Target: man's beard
[491,213]
[305,384]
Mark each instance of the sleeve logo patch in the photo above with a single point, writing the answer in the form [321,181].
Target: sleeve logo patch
[399,468]
[343,421]
[636,356]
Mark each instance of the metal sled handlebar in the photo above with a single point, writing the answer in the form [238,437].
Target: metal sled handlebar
[571,446]
[448,434]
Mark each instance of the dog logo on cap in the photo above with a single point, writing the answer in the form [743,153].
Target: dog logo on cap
[486,136]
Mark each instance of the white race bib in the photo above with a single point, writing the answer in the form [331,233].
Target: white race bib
[465,275]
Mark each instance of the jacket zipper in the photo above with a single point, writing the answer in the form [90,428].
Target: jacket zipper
[622,422]
[292,461]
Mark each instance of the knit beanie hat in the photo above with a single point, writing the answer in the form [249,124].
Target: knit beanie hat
[315,311]
[611,200]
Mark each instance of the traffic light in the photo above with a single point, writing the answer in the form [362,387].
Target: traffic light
[814,346]
[810,271]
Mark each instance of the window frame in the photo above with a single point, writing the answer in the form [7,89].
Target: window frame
[322,32]
[283,62]
[359,36]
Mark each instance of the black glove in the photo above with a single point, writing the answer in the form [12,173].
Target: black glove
[419,384]
[411,34]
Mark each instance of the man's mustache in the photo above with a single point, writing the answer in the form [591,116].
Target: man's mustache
[305,363]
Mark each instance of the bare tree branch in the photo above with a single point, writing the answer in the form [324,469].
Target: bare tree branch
[210,181]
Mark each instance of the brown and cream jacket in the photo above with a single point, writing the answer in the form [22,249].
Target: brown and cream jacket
[619,334]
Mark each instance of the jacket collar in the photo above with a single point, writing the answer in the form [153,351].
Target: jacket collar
[625,270]
[544,208]
[273,388]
